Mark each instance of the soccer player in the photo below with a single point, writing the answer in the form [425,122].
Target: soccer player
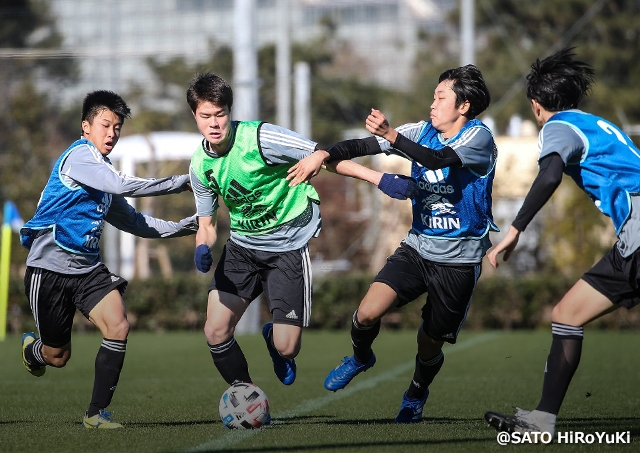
[454,157]
[64,266]
[603,162]
[246,163]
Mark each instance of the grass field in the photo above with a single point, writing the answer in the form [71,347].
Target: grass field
[168,395]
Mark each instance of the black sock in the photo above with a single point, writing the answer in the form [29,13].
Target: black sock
[230,361]
[33,353]
[362,338]
[563,360]
[109,363]
[425,372]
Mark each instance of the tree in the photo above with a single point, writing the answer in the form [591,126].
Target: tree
[339,101]
[511,35]
[31,133]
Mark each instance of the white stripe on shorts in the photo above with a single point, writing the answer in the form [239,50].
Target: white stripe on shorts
[306,273]
[34,293]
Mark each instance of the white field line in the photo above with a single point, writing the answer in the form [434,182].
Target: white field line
[232,437]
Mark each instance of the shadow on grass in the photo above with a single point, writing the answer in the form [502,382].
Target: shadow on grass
[310,419]
[335,446]
[583,424]
[184,423]
[593,424]
[126,424]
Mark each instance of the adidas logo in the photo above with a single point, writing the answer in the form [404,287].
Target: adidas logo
[447,335]
[114,278]
[292,315]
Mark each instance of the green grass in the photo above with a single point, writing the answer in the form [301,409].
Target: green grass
[169,389]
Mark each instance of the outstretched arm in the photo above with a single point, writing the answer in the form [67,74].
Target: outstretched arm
[87,167]
[355,170]
[310,166]
[307,168]
[545,184]
[377,124]
[396,186]
[124,217]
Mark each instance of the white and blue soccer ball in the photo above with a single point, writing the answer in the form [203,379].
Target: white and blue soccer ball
[243,406]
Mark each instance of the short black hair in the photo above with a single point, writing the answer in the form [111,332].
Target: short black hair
[559,82]
[209,87]
[468,85]
[97,101]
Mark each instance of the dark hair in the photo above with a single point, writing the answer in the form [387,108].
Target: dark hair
[559,82]
[468,85]
[97,101]
[209,87]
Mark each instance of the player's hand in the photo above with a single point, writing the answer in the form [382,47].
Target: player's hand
[203,258]
[306,168]
[398,186]
[377,124]
[506,245]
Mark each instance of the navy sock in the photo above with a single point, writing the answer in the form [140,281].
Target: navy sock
[424,374]
[108,366]
[230,361]
[362,338]
[563,360]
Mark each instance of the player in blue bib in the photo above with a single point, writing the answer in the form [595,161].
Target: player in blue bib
[604,162]
[65,271]
[453,164]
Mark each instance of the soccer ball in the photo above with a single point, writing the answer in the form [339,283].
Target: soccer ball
[243,406]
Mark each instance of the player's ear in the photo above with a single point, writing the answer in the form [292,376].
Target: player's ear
[464,107]
[86,127]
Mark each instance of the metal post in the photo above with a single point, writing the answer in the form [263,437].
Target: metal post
[303,99]
[467,44]
[245,61]
[283,66]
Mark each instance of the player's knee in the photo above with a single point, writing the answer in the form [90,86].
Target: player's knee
[289,351]
[116,330]
[216,334]
[561,315]
[367,317]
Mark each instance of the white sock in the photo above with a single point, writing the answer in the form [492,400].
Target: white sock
[543,420]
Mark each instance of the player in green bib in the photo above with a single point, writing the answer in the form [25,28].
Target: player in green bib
[245,163]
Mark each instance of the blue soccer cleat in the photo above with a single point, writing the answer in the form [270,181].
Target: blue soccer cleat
[411,409]
[341,375]
[285,369]
[35,370]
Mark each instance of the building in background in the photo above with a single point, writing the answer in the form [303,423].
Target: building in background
[114,37]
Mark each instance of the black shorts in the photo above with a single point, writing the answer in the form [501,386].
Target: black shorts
[54,297]
[617,278]
[449,290]
[284,277]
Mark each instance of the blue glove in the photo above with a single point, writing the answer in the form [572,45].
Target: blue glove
[398,186]
[203,258]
